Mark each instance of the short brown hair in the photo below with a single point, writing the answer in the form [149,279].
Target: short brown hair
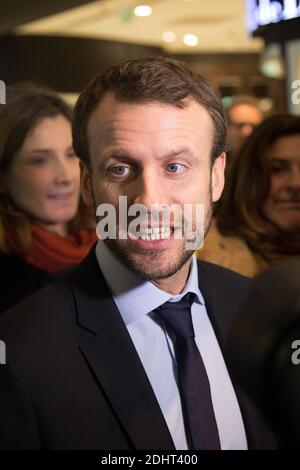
[248,183]
[153,79]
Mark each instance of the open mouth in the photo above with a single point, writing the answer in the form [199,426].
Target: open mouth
[156,233]
[152,234]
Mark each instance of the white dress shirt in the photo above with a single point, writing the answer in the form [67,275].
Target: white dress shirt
[136,298]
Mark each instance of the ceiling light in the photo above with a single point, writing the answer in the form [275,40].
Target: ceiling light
[143,10]
[169,36]
[271,61]
[190,39]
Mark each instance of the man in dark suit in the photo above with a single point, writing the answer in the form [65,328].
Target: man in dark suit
[127,351]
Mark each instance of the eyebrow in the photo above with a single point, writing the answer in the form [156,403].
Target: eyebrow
[120,154]
[46,151]
[280,159]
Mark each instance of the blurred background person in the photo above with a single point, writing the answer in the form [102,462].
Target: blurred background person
[41,231]
[264,347]
[243,116]
[258,220]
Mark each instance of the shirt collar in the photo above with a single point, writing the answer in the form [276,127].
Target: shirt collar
[128,288]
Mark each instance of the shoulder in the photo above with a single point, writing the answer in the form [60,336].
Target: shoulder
[217,272]
[19,279]
[49,300]
[227,283]
[51,309]
[47,324]
[16,265]
[38,325]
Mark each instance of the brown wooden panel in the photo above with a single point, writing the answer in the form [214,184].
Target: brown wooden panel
[17,12]
[63,63]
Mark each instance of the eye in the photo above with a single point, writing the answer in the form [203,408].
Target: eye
[71,154]
[38,161]
[275,169]
[175,168]
[120,170]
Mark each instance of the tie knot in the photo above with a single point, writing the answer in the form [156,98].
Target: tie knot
[177,316]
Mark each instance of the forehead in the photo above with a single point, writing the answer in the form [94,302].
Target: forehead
[46,127]
[286,148]
[113,120]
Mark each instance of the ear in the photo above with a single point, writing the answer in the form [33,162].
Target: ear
[218,176]
[86,184]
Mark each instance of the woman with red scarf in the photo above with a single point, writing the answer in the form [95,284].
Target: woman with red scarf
[42,230]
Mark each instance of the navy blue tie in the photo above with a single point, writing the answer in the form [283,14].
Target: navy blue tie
[199,418]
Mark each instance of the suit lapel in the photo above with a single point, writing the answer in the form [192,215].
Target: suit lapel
[221,312]
[111,355]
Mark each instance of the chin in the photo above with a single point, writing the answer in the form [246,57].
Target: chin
[152,265]
[63,216]
[290,228]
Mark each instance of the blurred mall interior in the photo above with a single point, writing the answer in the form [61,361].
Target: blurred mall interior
[243,47]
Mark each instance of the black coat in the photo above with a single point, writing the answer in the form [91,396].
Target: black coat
[73,379]
[19,279]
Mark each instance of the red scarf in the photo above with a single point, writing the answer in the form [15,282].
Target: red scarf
[52,252]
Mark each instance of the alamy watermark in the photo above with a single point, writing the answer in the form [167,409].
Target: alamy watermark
[2,352]
[2,92]
[295,357]
[296,94]
[161,222]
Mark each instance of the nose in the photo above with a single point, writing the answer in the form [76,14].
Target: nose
[62,171]
[149,189]
[294,178]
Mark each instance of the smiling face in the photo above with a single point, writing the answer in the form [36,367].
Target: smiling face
[152,153]
[44,178]
[282,205]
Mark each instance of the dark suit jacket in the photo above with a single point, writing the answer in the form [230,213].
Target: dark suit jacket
[73,379]
[20,279]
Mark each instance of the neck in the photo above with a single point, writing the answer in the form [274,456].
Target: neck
[176,283]
[59,229]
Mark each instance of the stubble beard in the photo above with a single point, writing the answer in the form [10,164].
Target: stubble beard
[156,264]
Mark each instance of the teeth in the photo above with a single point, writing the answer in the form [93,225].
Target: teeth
[156,233]
[155,230]
[166,235]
